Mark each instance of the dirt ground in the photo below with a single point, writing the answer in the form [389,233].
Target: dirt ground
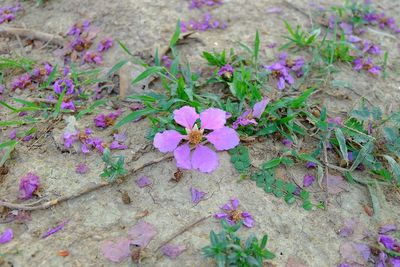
[143,25]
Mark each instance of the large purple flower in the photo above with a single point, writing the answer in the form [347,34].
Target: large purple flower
[249,116]
[212,128]
[226,71]
[232,214]
[64,84]
[295,65]
[28,185]
[280,72]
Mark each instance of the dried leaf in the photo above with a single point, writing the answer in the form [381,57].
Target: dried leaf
[142,214]
[63,253]
[142,233]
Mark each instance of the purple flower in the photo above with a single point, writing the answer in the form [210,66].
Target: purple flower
[387,228]
[200,3]
[226,71]
[6,236]
[381,260]
[346,27]
[93,57]
[96,143]
[118,142]
[395,262]
[353,39]
[117,145]
[207,23]
[28,185]
[294,65]
[68,105]
[78,28]
[104,121]
[249,116]
[281,73]
[85,139]
[27,138]
[370,48]
[308,180]
[311,165]
[233,215]
[54,230]
[7,14]
[287,143]
[389,242]
[64,84]
[366,64]
[105,44]
[212,128]
[13,134]
[21,82]
[81,168]
[197,195]
[143,181]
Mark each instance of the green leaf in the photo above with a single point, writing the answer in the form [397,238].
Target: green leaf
[8,106]
[290,187]
[365,150]
[116,67]
[300,100]
[256,46]
[57,107]
[308,157]
[290,199]
[148,72]
[175,36]
[342,143]
[135,115]
[8,147]
[307,205]
[272,163]
[395,167]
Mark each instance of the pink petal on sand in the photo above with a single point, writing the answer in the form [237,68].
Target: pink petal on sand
[259,107]
[213,118]
[6,236]
[182,156]
[143,181]
[116,251]
[167,141]
[142,233]
[224,138]
[186,116]
[173,251]
[336,184]
[204,159]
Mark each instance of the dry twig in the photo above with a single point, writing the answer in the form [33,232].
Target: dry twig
[32,34]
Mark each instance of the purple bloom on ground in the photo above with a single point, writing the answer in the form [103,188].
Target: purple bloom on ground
[368,65]
[105,44]
[21,82]
[27,138]
[348,228]
[281,73]
[68,105]
[97,144]
[78,28]
[64,84]
[364,250]
[143,181]
[294,65]
[167,62]
[226,71]
[370,48]
[6,236]
[54,230]
[353,39]
[249,116]
[311,165]
[104,121]
[212,128]
[117,145]
[308,180]
[207,23]
[172,251]
[118,142]
[81,168]
[395,262]
[7,14]
[387,228]
[287,143]
[200,3]
[28,185]
[197,195]
[346,27]
[93,57]
[389,242]
[22,113]
[13,134]
[85,140]
[233,215]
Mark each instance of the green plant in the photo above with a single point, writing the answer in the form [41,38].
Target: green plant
[114,167]
[227,248]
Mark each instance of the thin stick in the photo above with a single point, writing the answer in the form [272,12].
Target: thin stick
[32,34]
[326,171]
[82,192]
[183,230]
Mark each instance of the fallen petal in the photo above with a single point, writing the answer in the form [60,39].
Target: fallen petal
[6,236]
[197,195]
[173,251]
[54,230]
[143,181]
[142,233]
[387,228]
[116,251]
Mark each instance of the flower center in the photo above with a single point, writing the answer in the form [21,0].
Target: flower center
[289,63]
[109,121]
[83,136]
[236,215]
[195,136]
[276,73]
[367,66]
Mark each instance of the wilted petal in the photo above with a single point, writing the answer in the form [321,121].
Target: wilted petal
[221,215]
[387,228]
[308,180]
[54,230]
[167,141]
[213,118]
[6,236]
[116,251]
[204,159]
[248,220]
[142,233]
[143,181]
[182,157]
[224,138]
[197,195]
[387,241]
[235,203]
[259,107]
[81,168]
[186,116]
[173,251]
[364,250]
[28,185]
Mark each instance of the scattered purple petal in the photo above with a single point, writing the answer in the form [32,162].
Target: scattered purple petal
[387,228]
[348,228]
[142,233]
[143,181]
[311,165]
[54,230]
[28,185]
[6,236]
[197,195]
[287,143]
[173,251]
[82,168]
[117,251]
[233,215]
[308,180]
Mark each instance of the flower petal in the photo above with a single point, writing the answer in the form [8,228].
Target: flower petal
[167,141]
[235,203]
[224,138]
[186,116]
[204,159]
[248,220]
[6,236]
[213,118]
[116,251]
[172,251]
[197,195]
[182,156]
[259,107]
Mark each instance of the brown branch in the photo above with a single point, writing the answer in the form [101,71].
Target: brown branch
[82,192]
[32,34]
[183,230]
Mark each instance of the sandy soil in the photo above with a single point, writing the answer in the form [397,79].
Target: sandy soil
[144,25]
